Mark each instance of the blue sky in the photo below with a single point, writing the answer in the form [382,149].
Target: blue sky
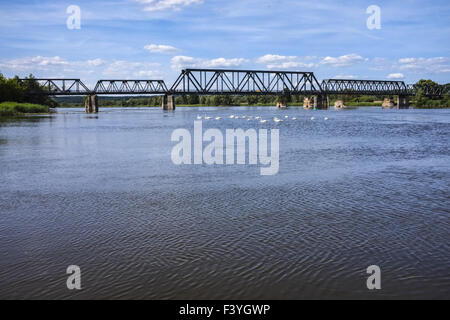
[153,39]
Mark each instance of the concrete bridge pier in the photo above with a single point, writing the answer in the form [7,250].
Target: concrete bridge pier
[388,103]
[168,102]
[282,105]
[403,102]
[91,104]
[321,102]
[318,102]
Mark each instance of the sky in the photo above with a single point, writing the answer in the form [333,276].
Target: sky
[156,39]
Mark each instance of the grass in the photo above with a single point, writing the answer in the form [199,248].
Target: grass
[9,109]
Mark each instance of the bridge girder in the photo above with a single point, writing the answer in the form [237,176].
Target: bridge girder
[130,87]
[371,87]
[59,86]
[235,82]
[244,82]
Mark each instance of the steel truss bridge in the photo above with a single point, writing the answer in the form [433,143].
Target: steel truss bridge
[233,82]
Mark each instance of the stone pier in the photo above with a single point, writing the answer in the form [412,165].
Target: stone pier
[91,104]
[339,104]
[388,103]
[316,102]
[168,102]
[403,102]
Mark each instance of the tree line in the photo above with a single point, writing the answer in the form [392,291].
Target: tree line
[12,90]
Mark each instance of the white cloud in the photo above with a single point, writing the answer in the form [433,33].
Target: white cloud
[38,62]
[129,69]
[62,68]
[160,48]
[342,61]
[180,62]
[274,61]
[430,65]
[345,76]
[96,62]
[159,5]
[395,76]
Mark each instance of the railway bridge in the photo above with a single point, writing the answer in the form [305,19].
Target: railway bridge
[234,82]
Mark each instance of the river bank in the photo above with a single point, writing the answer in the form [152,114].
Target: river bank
[11,109]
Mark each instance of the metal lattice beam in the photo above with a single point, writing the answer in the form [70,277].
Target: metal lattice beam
[244,82]
[371,87]
[130,87]
[58,86]
[234,82]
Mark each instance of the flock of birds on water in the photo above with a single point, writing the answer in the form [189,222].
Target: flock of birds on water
[257,118]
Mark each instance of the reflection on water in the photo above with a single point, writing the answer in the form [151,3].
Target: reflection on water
[368,186]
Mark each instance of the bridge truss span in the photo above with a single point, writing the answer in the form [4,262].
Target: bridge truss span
[244,82]
[130,87]
[58,86]
[369,87]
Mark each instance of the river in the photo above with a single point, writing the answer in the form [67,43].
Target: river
[364,187]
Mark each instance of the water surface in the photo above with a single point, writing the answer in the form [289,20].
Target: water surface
[368,186]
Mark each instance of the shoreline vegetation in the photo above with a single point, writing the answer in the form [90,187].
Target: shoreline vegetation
[13,109]
[16,99]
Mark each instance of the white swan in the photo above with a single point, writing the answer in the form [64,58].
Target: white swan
[312,118]
[263,121]
[326,118]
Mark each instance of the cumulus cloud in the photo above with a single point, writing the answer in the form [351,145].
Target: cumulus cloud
[429,65]
[274,61]
[395,76]
[96,62]
[345,76]
[38,62]
[130,69]
[342,61]
[59,67]
[49,66]
[160,5]
[180,62]
[160,48]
